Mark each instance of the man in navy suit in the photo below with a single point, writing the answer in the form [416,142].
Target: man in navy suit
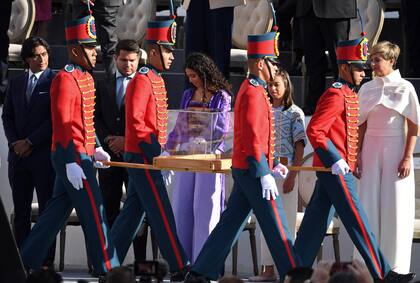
[27,125]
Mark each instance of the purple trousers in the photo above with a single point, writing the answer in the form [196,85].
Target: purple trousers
[197,202]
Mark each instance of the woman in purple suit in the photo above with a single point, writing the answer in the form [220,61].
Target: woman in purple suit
[198,198]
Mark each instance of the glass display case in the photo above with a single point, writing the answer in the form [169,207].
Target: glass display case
[199,131]
[198,140]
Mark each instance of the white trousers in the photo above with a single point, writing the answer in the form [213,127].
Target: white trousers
[389,202]
[289,202]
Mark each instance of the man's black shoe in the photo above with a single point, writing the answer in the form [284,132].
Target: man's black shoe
[394,277]
[194,277]
[48,265]
[179,276]
[102,279]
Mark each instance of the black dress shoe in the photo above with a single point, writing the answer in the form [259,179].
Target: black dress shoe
[194,277]
[48,266]
[179,276]
[394,277]
[102,279]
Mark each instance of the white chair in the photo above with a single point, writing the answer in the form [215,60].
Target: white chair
[21,22]
[132,21]
[416,234]
[73,220]
[306,186]
[253,18]
[250,226]
[372,13]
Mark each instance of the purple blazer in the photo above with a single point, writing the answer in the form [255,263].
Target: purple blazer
[219,103]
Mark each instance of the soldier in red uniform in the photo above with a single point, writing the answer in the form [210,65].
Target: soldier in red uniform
[252,167]
[333,134]
[74,148]
[146,122]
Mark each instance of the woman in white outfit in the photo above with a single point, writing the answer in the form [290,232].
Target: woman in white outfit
[289,144]
[389,119]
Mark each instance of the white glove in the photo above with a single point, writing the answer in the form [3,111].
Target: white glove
[269,187]
[164,153]
[101,155]
[167,174]
[75,175]
[280,171]
[340,167]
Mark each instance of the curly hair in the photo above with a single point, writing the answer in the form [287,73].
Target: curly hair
[208,72]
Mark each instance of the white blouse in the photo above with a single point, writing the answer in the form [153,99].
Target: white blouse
[392,91]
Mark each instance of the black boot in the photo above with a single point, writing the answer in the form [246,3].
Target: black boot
[394,277]
[179,276]
[102,279]
[194,277]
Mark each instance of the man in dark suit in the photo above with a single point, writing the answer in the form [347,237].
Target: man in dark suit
[110,129]
[323,24]
[27,125]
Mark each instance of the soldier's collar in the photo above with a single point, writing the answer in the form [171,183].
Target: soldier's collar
[75,66]
[258,80]
[344,82]
[151,67]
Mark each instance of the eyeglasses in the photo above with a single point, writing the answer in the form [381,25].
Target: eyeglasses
[39,56]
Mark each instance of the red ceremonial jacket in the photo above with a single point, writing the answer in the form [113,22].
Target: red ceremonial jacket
[253,140]
[332,130]
[146,110]
[72,112]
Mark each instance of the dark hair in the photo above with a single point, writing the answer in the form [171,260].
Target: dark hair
[288,91]
[121,274]
[299,274]
[208,72]
[44,276]
[231,279]
[128,45]
[197,279]
[30,44]
[343,277]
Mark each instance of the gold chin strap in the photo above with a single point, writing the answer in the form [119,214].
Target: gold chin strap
[269,69]
[352,76]
[161,57]
[86,56]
